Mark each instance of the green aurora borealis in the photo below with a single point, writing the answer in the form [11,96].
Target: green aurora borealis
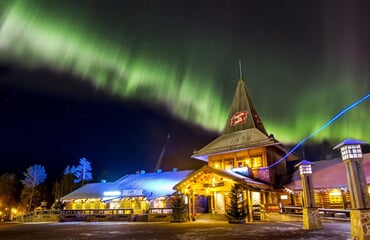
[301,68]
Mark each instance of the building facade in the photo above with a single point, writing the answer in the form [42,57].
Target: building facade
[243,154]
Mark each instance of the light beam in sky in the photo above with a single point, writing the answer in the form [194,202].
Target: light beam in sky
[187,72]
[327,124]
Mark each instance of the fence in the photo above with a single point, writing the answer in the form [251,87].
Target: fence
[153,214]
[39,216]
[324,212]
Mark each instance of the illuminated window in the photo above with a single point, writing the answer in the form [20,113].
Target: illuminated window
[257,161]
[298,199]
[78,205]
[97,205]
[335,196]
[114,205]
[248,162]
[256,198]
[241,162]
[284,197]
[126,203]
[218,164]
[228,163]
[136,203]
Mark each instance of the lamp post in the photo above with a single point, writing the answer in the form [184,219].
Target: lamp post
[311,217]
[360,211]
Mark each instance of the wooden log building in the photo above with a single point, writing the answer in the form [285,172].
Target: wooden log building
[243,154]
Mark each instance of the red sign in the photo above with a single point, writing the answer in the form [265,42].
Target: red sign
[238,118]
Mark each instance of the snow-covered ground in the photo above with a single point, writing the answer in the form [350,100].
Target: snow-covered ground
[180,231]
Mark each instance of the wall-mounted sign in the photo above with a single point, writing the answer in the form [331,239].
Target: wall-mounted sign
[112,193]
[132,192]
[217,184]
[238,118]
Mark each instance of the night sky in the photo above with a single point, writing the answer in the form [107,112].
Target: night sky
[108,80]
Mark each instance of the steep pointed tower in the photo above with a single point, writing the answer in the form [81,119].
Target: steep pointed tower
[244,142]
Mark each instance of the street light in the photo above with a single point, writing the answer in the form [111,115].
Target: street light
[352,157]
[305,167]
[311,217]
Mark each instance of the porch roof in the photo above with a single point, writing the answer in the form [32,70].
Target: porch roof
[241,179]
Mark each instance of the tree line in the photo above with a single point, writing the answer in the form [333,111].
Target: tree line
[31,193]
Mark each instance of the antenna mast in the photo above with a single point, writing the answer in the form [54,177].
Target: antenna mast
[240,70]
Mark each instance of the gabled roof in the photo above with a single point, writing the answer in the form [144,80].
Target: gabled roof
[329,174]
[243,130]
[92,190]
[149,185]
[154,185]
[245,139]
[242,102]
[227,174]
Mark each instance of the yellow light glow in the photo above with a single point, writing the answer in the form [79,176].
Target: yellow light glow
[256,198]
[335,192]
[283,197]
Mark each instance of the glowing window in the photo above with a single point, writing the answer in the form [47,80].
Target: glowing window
[257,161]
[284,197]
[96,205]
[241,162]
[248,162]
[335,196]
[256,198]
[228,163]
[217,164]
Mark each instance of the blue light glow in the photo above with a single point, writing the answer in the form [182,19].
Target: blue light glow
[333,119]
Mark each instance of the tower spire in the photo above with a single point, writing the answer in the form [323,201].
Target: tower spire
[240,70]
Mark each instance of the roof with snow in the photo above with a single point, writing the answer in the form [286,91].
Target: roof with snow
[329,174]
[149,185]
[153,185]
